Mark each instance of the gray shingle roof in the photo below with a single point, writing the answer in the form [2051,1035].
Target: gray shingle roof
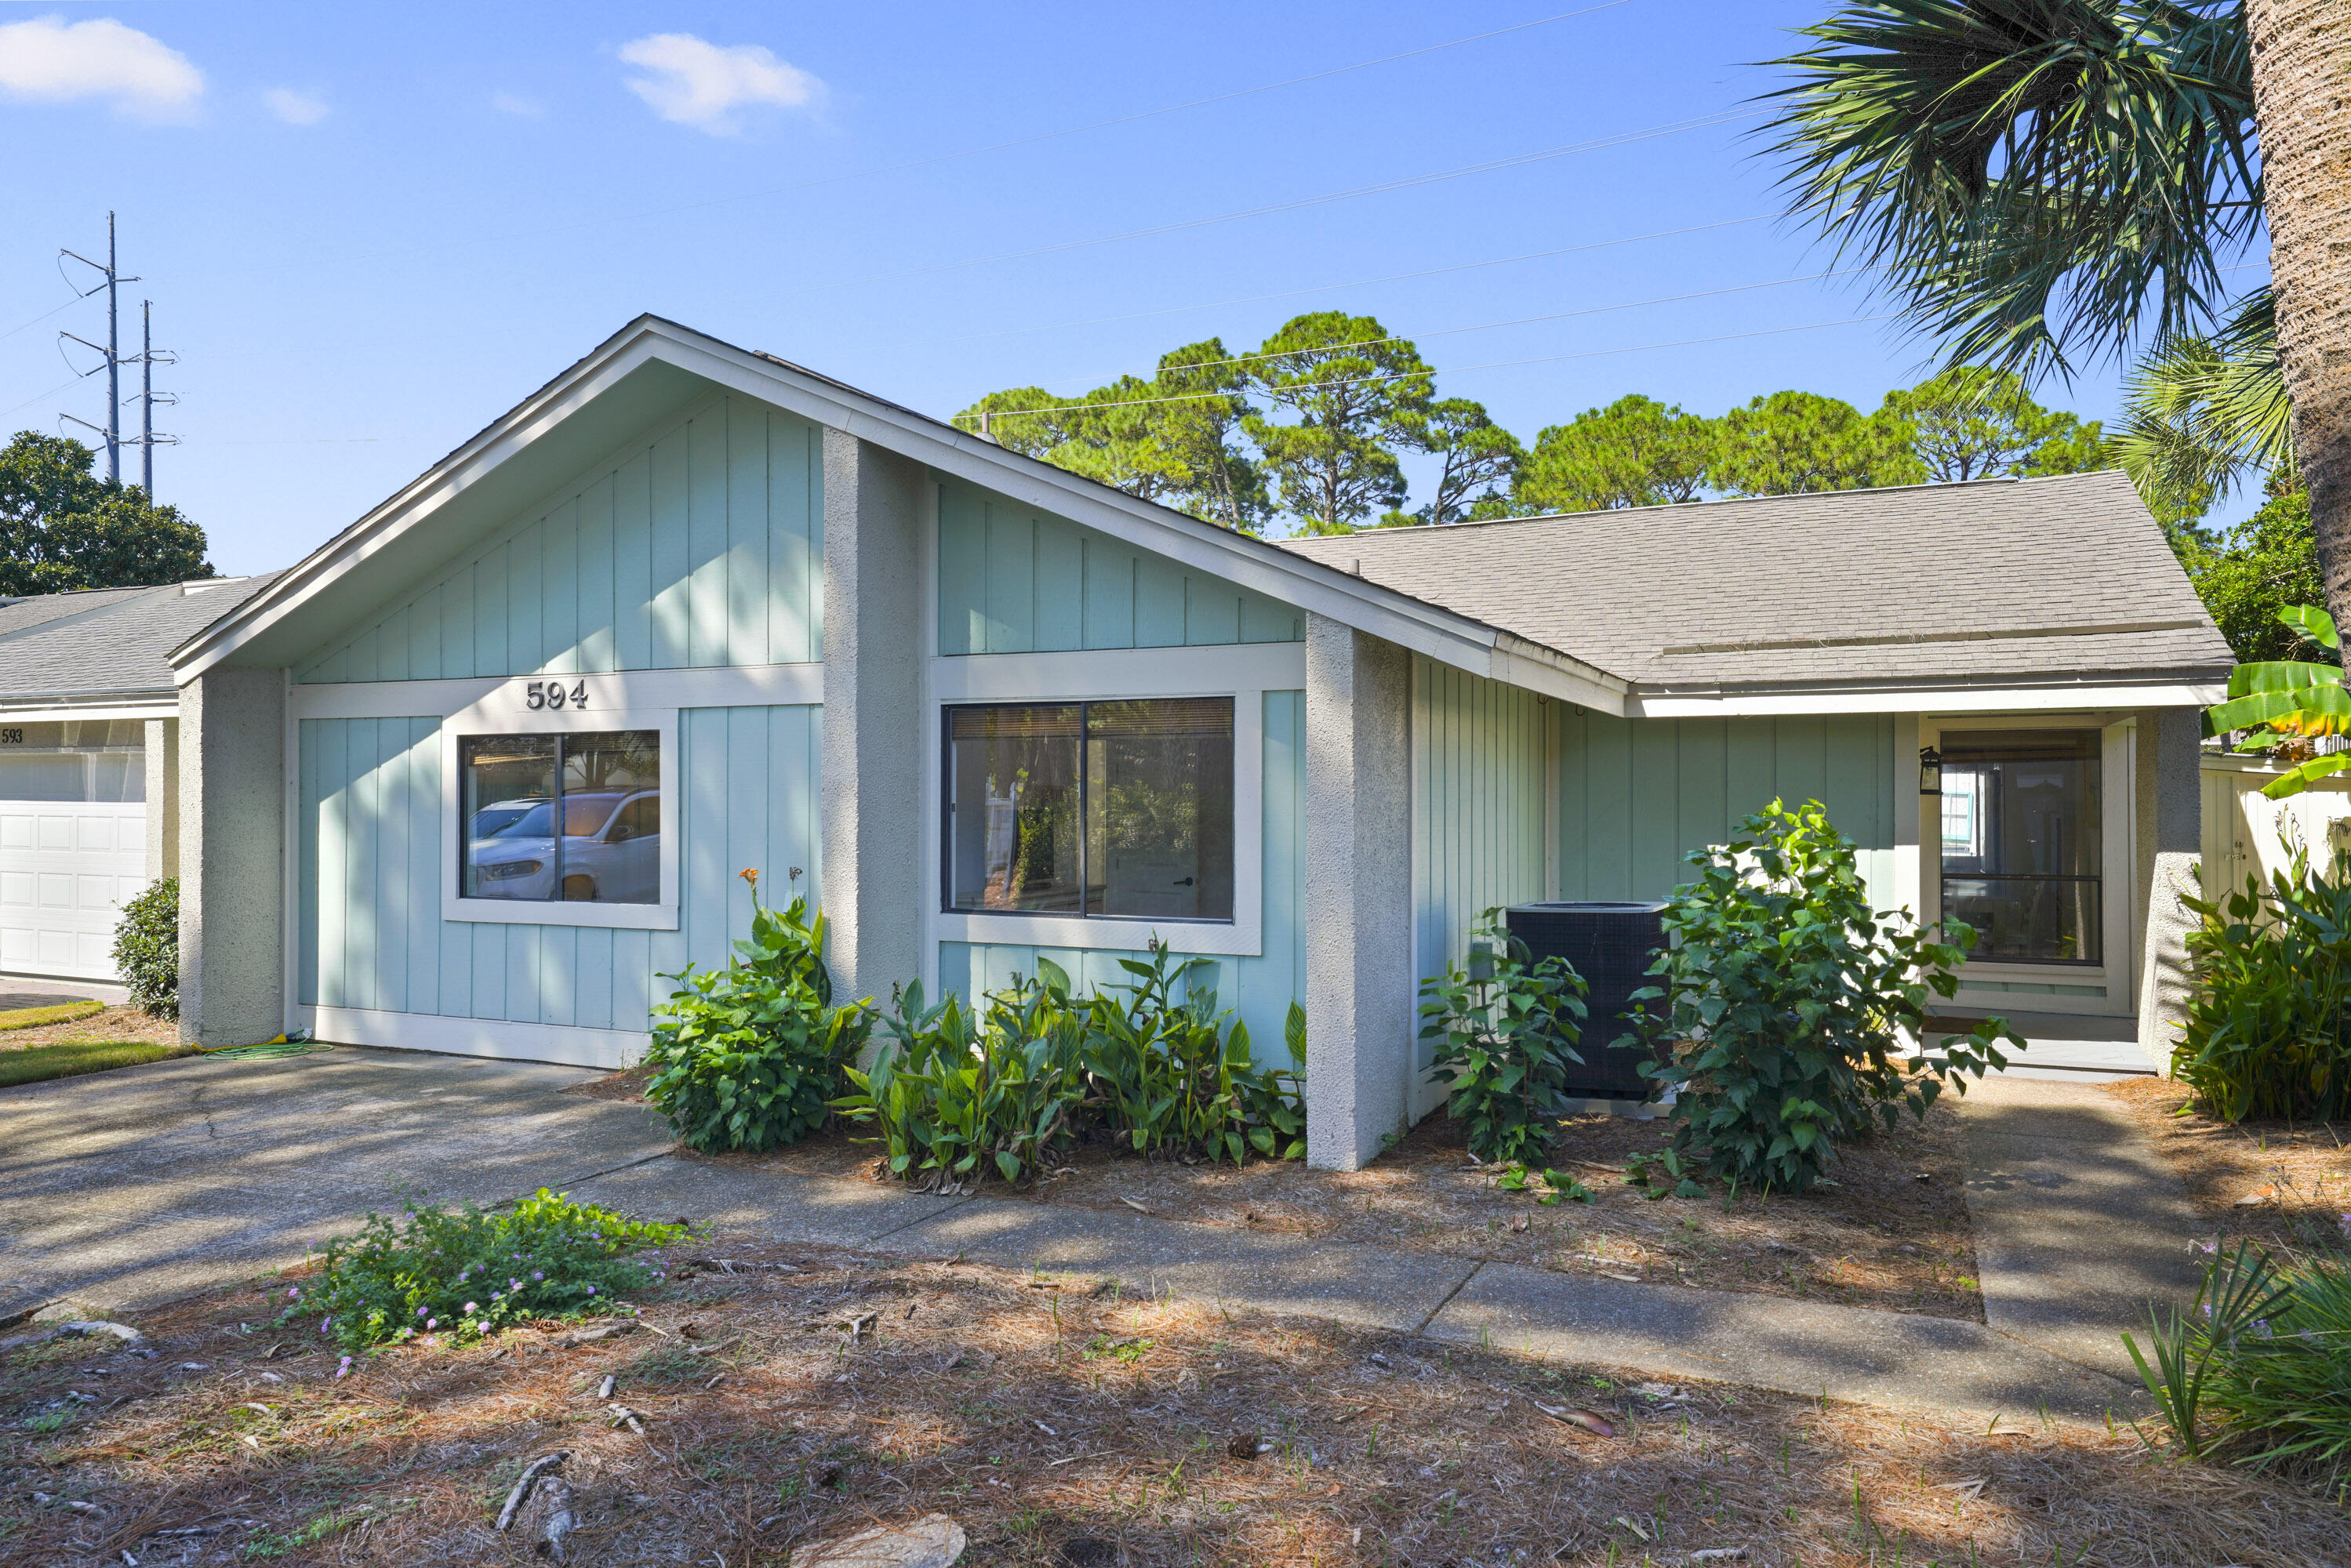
[1995,582]
[110,641]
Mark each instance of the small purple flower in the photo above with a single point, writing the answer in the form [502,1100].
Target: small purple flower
[592,1290]
[514,1284]
[469,1307]
[2344,1225]
[344,1370]
[294,1292]
[537,1274]
[420,1311]
[433,1323]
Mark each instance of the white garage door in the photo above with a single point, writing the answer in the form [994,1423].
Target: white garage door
[73,843]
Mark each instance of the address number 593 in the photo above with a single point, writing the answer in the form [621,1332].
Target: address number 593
[555,694]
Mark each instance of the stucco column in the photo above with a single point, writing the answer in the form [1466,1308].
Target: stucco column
[232,856]
[163,798]
[871,879]
[1359,981]
[2171,829]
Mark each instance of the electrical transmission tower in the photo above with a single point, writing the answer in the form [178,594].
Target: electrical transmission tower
[112,359]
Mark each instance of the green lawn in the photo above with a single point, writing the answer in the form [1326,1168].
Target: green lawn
[63,1013]
[68,1058]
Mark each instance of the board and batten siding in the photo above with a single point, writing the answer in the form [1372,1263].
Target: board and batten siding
[1259,989]
[373,842]
[1478,811]
[1636,795]
[699,545]
[1013,579]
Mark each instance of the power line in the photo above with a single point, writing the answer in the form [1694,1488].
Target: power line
[43,317]
[1458,370]
[1409,183]
[937,158]
[1333,287]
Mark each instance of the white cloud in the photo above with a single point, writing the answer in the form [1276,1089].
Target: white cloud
[696,83]
[48,60]
[515,103]
[294,107]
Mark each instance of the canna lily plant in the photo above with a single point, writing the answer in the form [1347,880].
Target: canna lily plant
[2284,700]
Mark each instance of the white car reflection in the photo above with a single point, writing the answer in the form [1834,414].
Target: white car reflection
[611,849]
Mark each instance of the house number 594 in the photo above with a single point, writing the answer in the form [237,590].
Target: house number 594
[555,694]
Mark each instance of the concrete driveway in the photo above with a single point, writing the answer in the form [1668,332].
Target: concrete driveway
[124,1188]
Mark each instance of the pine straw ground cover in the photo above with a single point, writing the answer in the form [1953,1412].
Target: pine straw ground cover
[2277,1184]
[1061,1422]
[1893,1233]
[113,1023]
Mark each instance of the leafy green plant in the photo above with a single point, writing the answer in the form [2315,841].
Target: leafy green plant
[473,1272]
[752,1056]
[1503,1032]
[1785,1001]
[2268,1024]
[952,1091]
[1557,1185]
[1168,1071]
[2258,1367]
[2287,703]
[147,948]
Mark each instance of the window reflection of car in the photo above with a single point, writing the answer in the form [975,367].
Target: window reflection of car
[612,850]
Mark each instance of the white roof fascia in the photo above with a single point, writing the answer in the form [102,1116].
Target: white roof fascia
[68,705]
[1450,638]
[1929,699]
[1539,668]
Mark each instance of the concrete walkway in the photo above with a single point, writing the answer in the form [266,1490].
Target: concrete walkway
[2079,1223]
[136,1186]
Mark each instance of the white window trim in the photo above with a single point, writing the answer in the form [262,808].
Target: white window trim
[504,712]
[2118,887]
[1244,672]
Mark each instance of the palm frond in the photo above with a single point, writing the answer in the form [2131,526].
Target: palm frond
[2039,179]
[2198,412]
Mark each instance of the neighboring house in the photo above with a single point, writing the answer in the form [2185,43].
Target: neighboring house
[483,770]
[89,742]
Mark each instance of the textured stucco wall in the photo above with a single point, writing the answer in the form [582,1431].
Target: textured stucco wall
[872,743]
[1359,988]
[163,736]
[2171,835]
[233,847]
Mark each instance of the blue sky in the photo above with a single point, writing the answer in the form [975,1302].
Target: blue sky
[368,231]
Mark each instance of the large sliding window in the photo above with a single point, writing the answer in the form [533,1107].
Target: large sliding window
[572,818]
[1109,809]
[2022,846]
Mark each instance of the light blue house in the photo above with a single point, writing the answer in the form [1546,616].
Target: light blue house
[479,771]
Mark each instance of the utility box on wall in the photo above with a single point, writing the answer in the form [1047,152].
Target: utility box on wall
[1612,945]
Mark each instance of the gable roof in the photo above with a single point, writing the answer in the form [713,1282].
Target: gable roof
[2060,582]
[108,645]
[652,368]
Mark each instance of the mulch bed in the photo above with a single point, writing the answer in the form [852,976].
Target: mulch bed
[2279,1184]
[1893,1234]
[1059,1422]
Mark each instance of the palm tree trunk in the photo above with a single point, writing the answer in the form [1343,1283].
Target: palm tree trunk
[2302,98]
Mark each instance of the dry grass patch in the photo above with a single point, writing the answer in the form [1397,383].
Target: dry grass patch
[1892,1233]
[2296,1176]
[105,1023]
[1059,1422]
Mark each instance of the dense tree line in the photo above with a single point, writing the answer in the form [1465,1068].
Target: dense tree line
[1310,429]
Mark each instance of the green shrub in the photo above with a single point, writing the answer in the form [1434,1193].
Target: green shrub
[147,948]
[2268,1026]
[2258,1367]
[1785,1001]
[952,1091]
[474,1272]
[1168,1072]
[750,1056]
[1503,1032]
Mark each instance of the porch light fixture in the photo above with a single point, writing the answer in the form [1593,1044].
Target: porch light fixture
[1930,772]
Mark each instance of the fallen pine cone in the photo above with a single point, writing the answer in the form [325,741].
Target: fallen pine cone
[1249,1446]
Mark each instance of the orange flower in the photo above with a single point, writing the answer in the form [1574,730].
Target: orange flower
[751,875]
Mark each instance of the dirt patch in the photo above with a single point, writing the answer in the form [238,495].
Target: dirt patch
[2297,1175]
[627,1086]
[1883,1237]
[1058,1421]
[114,1023]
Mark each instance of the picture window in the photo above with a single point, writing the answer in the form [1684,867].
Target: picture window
[1100,810]
[566,817]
